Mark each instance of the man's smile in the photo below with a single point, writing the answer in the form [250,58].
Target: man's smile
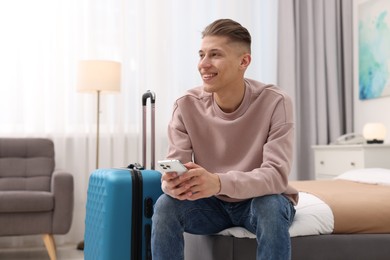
[208,76]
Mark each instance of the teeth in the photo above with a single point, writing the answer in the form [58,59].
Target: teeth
[209,75]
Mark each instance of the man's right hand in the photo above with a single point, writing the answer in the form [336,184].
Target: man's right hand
[171,185]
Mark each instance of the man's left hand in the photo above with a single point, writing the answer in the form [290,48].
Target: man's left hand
[199,183]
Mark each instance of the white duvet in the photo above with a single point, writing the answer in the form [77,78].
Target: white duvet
[313,216]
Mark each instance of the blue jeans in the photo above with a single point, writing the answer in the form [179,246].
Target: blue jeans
[269,217]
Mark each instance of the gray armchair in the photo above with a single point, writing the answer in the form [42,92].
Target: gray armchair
[34,198]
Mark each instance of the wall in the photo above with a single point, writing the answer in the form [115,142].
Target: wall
[372,110]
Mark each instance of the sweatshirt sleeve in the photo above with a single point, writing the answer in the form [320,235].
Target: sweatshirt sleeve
[180,146]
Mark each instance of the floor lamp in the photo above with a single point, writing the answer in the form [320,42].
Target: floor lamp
[97,76]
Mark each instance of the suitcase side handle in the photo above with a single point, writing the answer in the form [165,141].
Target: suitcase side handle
[152,96]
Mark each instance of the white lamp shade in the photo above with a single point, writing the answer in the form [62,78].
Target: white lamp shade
[99,75]
[374,131]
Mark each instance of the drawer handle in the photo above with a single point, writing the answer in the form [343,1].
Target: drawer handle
[322,162]
[352,164]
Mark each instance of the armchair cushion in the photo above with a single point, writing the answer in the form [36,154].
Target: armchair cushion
[26,163]
[26,201]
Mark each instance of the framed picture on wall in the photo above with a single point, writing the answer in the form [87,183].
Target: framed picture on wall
[373,18]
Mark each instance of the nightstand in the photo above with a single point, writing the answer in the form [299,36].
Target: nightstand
[332,160]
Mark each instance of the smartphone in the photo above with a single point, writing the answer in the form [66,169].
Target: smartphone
[172,166]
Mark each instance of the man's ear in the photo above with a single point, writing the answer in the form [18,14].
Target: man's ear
[245,60]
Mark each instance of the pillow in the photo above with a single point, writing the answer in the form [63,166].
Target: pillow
[367,175]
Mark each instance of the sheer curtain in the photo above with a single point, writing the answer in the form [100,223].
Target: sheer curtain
[156,42]
[315,66]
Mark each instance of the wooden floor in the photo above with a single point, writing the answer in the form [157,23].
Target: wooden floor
[68,252]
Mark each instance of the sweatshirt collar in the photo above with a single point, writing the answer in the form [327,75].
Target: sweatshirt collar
[239,111]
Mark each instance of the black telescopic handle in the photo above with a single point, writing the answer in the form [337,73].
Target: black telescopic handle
[145,97]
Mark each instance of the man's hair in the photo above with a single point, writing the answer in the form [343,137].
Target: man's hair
[234,31]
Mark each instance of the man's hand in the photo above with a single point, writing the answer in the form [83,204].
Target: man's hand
[195,184]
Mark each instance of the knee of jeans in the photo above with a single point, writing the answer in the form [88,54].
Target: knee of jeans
[267,206]
[164,208]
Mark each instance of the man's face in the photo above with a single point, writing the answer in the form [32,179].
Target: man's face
[220,63]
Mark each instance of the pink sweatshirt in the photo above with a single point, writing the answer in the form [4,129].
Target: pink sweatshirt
[250,149]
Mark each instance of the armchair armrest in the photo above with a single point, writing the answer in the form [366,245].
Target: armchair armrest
[63,189]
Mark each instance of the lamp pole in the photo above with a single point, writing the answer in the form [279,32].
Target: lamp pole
[97,128]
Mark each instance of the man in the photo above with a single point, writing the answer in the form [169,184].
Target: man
[235,136]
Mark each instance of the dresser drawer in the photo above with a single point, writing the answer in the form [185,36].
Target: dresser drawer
[335,162]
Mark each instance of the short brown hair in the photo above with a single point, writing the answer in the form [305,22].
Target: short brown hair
[234,31]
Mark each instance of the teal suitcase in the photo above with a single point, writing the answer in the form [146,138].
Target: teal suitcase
[120,207]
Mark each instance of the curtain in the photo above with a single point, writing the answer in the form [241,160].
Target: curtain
[315,66]
[157,44]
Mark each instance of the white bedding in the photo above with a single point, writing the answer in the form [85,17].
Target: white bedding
[313,216]
[369,175]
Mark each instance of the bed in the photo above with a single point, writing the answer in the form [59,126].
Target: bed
[344,218]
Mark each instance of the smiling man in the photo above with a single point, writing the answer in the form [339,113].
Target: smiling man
[235,136]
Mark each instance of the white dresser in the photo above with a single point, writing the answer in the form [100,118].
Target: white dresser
[332,160]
